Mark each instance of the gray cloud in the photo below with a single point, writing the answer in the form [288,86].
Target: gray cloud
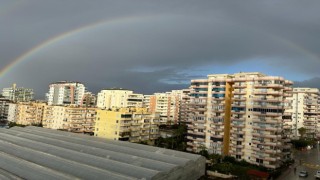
[162,47]
[313,83]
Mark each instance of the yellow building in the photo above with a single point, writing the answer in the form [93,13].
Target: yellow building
[72,118]
[29,113]
[127,124]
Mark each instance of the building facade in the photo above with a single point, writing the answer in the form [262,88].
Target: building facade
[65,93]
[30,113]
[12,111]
[127,124]
[118,98]
[167,104]
[4,110]
[305,112]
[241,115]
[72,118]
[18,94]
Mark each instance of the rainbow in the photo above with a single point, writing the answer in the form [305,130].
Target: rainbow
[65,35]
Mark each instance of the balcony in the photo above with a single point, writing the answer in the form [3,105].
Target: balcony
[273,114]
[271,85]
[239,98]
[238,92]
[237,119]
[267,99]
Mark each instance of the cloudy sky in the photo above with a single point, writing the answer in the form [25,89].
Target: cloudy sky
[153,46]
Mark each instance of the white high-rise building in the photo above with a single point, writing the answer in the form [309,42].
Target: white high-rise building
[305,111]
[64,93]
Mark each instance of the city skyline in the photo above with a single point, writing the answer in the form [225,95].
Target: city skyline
[149,46]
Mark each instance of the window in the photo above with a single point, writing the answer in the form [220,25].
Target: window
[260,161]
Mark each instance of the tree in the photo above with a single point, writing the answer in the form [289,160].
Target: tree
[302,132]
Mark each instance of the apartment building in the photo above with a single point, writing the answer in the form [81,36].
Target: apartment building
[241,115]
[4,110]
[29,113]
[12,111]
[65,93]
[88,100]
[167,104]
[118,98]
[127,124]
[18,94]
[73,118]
[305,111]
[184,106]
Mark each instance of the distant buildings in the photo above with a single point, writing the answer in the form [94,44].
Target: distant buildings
[65,93]
[127,124]
[18,94]
[241,115]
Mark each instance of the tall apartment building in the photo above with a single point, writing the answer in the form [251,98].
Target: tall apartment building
[118,98]
[29,113]
[167,104]
[127,124]
[18,94]
[305,111]
[73,118]
[65,93]
[184,106]
[241,115]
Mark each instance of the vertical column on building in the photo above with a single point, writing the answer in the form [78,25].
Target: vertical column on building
[227,118]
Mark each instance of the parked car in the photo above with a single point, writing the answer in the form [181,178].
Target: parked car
[317,175]
[303,174]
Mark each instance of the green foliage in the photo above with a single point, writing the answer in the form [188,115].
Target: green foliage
[12,124]
[229,159]
[302,143]
[302,132]
[204,153]
[177,141]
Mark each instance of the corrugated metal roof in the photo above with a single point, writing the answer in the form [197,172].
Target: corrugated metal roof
[39,153]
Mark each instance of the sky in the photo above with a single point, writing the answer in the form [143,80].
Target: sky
[155,46]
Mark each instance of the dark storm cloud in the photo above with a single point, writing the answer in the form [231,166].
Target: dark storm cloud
[160,49]
[313,83]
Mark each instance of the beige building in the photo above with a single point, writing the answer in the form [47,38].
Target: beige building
[118,98]
[305,111]
[167,105]
[29,113]
[241,115]
[127,124]
[71,118]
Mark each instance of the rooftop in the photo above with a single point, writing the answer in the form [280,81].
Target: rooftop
[39,153]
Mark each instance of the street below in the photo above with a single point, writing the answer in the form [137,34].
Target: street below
[308,160]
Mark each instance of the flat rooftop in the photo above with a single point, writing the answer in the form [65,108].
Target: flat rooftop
[39,153]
